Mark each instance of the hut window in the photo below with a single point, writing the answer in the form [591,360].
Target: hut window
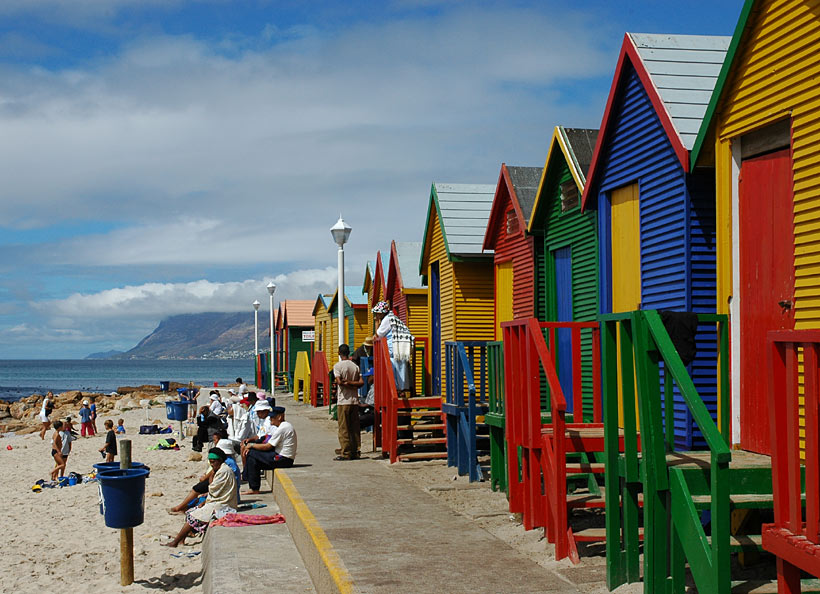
[569,196]
[512,222]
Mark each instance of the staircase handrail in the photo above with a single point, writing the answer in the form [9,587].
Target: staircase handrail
[384,395]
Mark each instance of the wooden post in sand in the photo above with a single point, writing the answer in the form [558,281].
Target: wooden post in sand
[126,534]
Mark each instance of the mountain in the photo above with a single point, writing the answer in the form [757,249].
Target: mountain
[104,355]
[199,336]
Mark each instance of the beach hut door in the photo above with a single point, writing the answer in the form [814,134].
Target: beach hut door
[503,295]
[626,262]
[766,270]
[562,259]
[435,326]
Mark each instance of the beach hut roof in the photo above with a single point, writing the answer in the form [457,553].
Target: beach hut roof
[741,30]
[406,255]
[320,300]
[463,211]
[678,73]
[353,298]
[575,145]
[368,276]
[521,185]
[299,312]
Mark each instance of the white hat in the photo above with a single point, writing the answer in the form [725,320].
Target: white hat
[263,405]
[231,391]
[85,401]
[214,396]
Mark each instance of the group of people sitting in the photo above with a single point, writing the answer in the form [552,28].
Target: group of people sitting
[257,438]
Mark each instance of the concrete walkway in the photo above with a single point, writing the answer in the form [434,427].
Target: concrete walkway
[360,528]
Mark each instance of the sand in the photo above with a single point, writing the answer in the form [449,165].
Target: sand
[58,536]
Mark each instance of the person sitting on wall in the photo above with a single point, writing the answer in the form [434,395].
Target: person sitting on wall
[277,449]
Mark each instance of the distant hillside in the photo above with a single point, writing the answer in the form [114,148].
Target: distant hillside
[104,355]
[199,336]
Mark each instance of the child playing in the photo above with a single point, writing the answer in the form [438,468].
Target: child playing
[86,428]
[121,426]
[68,425]
[56,450]
[67,437]
[93,408]
[110,447]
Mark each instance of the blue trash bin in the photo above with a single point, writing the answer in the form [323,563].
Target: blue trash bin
[165,386]
[177,411]
[115,466]
[122,496]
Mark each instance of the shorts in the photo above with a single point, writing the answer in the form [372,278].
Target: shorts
[43,417]
[53,452]
[196,525]
[201,487]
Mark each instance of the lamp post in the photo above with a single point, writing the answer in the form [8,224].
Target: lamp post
[341,233]
[271,290]
[256,305]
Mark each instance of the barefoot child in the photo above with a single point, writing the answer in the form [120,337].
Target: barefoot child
[67,437]
[121,426]
[110,446]
[56,451]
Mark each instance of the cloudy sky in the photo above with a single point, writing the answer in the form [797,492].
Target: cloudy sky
[170,156]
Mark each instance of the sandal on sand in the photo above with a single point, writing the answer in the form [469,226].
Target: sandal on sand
[175,512]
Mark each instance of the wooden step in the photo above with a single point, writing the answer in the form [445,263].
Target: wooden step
[422,441]
[761,587]
[743,542]
[422,413]
[739,501]
[414,456]
[421,427]
[596,535]
[587,500]
[575,468]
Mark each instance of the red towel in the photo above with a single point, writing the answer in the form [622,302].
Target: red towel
[235,520]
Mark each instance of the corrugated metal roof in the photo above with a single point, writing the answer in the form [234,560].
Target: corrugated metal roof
[525,181]
[684,70]
[408,253]
[465,210]
[299,312]
[581,143]
[355,296]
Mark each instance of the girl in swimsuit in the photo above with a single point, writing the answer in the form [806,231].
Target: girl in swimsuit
[56,451]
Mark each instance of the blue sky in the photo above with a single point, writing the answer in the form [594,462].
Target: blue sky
[168,156]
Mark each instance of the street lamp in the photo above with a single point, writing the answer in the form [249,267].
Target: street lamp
[256,305]
[271,290]
[341,233]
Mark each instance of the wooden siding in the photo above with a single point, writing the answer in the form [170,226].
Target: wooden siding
[360,329]
[776,75]
[637,149]
[474,301]
[438,253]
[295,346]
[321,322]
[418,321]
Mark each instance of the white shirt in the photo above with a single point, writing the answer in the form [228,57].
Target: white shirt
[243,390]
[283,439]
[216,407]
[240,427]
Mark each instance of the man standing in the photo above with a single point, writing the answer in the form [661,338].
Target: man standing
[276,450]
[349,380]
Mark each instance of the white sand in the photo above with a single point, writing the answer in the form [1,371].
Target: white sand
[57,538]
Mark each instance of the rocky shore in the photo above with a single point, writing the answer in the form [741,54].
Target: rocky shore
[21,416]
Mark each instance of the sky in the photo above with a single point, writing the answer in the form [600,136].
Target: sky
[160,157]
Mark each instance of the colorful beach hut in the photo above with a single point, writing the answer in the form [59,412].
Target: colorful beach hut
[408,296]
[507,238]
[367,290]
[355,311]
[459,273]
[566,245]
[655,216]
[296,326]
[321,324]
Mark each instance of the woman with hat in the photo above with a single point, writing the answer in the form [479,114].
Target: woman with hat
[221,499]
[399,343]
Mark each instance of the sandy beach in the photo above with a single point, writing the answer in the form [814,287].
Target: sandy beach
[58,537]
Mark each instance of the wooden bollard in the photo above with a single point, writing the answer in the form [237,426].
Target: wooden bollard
[126,534]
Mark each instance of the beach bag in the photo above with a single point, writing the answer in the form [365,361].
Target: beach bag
[149,429]
[166,430]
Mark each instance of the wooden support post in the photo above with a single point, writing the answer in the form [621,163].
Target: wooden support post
[126,534]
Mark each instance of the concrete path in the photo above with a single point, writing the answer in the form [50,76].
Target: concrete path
[360,528]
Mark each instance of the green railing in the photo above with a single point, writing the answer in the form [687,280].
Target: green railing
[495,417]
[673,533]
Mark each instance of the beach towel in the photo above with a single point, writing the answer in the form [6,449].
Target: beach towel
[239,520]
[165,444]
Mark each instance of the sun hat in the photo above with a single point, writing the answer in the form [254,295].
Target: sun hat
[368,341]
[231,391]
[263,405]
[85,401]
[382,307]
[214,396]
[277,410]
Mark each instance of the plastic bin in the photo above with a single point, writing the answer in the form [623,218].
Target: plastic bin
[116,465]
[165,386]
[177,411]
[122,496]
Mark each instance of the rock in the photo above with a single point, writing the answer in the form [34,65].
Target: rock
[19,408]
[155,494]
[195,457]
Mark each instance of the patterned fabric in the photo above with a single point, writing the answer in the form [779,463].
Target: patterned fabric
[237,520]
[382,307]
[402,339]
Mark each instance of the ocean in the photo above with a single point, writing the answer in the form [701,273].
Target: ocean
[21,378]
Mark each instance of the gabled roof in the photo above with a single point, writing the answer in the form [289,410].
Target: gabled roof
[520,184]
[678,73]
[353,298]
[463,211]
[742,28]
[299,312]
[320,300]
[379,276]
[575,145]
[402,269]
[368,276]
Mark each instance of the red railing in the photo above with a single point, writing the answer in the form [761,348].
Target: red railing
[526,354]
[385,432]
[319,378]
[794,537]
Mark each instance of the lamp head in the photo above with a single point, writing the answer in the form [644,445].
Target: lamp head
[341,232]
[271,288]
[256,305]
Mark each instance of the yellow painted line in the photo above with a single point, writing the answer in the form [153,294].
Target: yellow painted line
[338,572]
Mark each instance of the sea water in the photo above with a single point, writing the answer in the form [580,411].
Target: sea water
[21,378]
